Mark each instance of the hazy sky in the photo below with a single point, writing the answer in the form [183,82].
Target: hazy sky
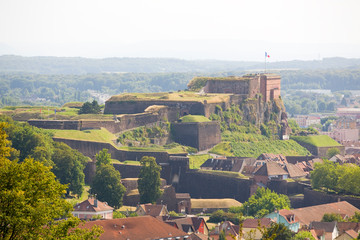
[189,29]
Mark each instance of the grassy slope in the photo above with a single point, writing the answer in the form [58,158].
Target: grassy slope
[254,149]
[96,135]
[173,96]
[317,140]
[194,118]
[195,161]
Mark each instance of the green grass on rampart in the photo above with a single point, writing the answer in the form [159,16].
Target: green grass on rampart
[195,161]
[93,135]
[194,118]
[255,149]
[317,140]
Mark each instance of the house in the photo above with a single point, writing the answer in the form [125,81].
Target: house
[199,236]
[338,159]
[93,208]
[270,170]
[348,235]
[286,217]
[195,224]
[345,226]
[294,171]
[250,227]
[325,230]
[267,157]
[178,202]
[136,228]
[304,216]
[151,210]
[228,228]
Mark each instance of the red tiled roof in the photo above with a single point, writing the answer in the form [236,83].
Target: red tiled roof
[152,210]
[352,233]
[254,223]
[294,171]
[135,228]
[315,213]
[89,206]
[270,169]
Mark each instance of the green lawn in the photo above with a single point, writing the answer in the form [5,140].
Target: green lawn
[223,173]
[95,135]
[194,118]
[317,140]
[195,161]
[255,149]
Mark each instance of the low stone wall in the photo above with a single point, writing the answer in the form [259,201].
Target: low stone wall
[312,197]
[55,124]
[203,185]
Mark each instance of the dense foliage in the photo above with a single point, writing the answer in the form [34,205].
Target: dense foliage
[107,186]
[28,141]
[149,180]
[340,178]
[90,108]
[31,199]
[263,202]
[103,158]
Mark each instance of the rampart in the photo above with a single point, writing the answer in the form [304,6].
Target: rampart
[321,151]
[203,185]
[200,135]
[90,149]
[312,197]
[123,122]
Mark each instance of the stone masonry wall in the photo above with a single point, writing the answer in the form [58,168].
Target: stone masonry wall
[202,135]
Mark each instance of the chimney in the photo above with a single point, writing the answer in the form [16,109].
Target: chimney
[95,202]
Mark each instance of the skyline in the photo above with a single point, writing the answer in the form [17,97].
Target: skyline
[226,30]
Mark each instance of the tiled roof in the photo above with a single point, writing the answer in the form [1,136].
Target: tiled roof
[352,233]
[294,171]
[89,206]
[195,222]
[289,215]
[344,226]
[199,236]
[254,223]
[152,210]
[315,213]
[326,226]
[135,228]
[270,169]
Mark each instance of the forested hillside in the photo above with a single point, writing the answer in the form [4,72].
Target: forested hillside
[55,81]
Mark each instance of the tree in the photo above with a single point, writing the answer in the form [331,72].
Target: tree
[332,152]
[332,217]
[103,158]
[277,232]
[149,180]
[303,235]
[263,202]
[69,166]
[324,175]
[31,199]
[222,235]
[88,108]
[107,186]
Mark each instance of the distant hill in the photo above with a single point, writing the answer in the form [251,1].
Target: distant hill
[78,65]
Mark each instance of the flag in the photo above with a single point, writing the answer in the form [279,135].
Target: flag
[55,111]
[266,55]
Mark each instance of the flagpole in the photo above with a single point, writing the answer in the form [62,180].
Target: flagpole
[265,61]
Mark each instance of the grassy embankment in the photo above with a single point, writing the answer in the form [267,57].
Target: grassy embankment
[103,135]
[171,96]
[255,149]
[194,118]
[195,161]
[24,113]
[317,140]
